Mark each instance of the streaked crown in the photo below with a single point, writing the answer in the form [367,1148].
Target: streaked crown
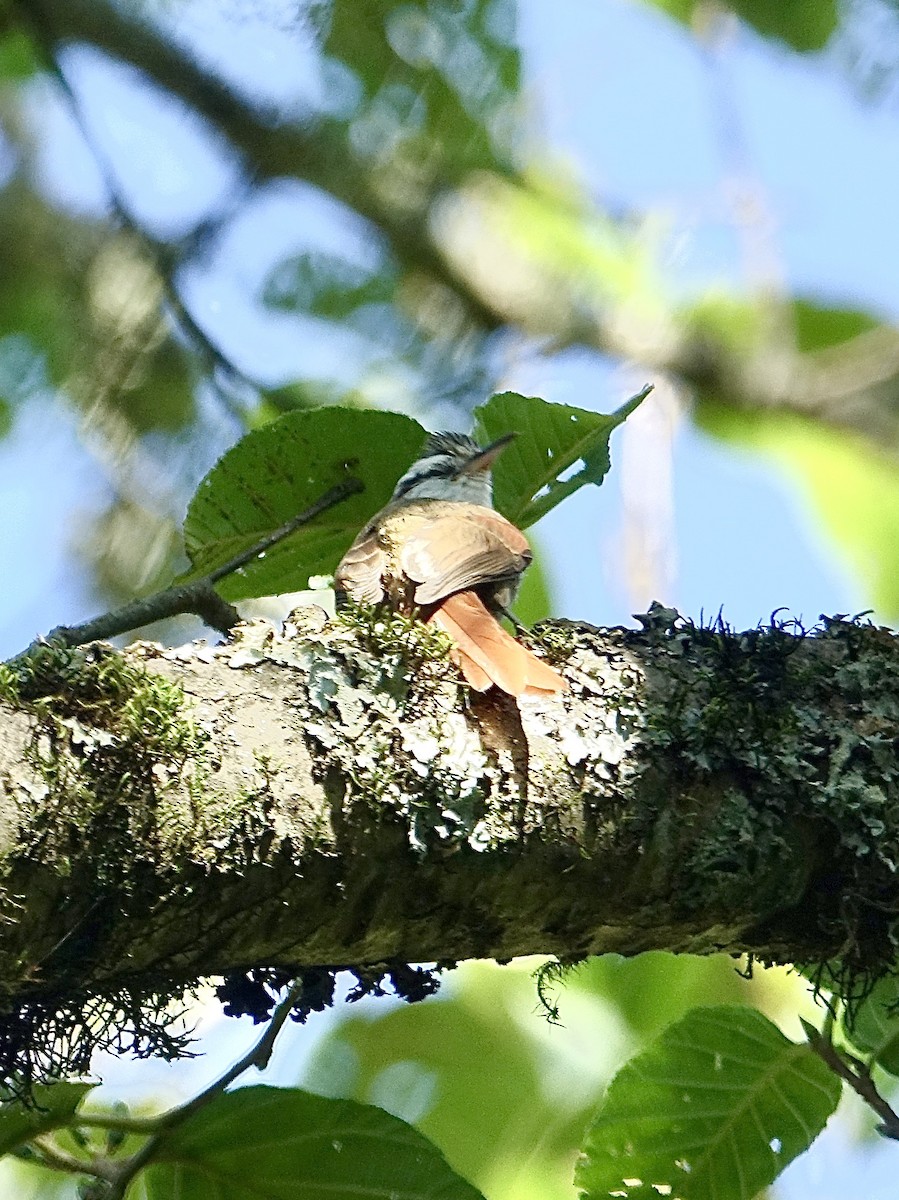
[453,467]
[451,445]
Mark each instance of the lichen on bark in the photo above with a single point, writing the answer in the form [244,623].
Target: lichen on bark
[331,795]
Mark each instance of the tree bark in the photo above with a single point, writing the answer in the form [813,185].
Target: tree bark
[333,796]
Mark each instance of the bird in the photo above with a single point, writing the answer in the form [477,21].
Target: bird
[441,551]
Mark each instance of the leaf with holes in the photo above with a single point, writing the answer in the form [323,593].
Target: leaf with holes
[552,439]
[265,1143]
[715,1109]
[278,471]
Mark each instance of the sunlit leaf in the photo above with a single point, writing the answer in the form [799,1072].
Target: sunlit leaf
[279,470]
[557,451]
[265,1143]
[715,1109]
[874,1027]
[53,1105]
[283,467]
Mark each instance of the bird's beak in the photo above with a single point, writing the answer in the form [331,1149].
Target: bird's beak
[486,458]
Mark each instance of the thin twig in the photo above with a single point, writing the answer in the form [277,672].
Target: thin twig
[216,359]
[858,1078]
[53,1156]
[198,597]
[257,1056]
[347,487]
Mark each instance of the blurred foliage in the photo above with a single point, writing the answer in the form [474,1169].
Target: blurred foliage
[430,88]
[803,25]
[817,327]
[505,1093]
[17,57]
[45,263]
[853,485]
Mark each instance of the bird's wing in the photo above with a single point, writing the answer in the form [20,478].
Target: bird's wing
[359,574]
[462,549]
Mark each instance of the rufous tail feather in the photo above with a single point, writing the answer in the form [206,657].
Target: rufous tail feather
[486,654]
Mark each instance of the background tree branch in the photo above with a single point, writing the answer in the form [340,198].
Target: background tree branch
[853,385]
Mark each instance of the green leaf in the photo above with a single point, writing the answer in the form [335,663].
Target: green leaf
[715,1109]
[54,1106]
[804,25]
[874,1028]
[282,468]
[533,602]
[552,439]
[265,1143]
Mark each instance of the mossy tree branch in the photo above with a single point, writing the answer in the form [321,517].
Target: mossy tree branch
[332,796]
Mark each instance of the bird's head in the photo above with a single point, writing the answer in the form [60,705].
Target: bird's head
[452,466]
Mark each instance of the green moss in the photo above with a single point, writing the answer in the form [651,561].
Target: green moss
[109,740]
[9,684]
[405,642]
[556,638]
[112,745]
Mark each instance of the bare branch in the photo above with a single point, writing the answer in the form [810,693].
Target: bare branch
[857,1075]
[257,1056]
[198,597]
